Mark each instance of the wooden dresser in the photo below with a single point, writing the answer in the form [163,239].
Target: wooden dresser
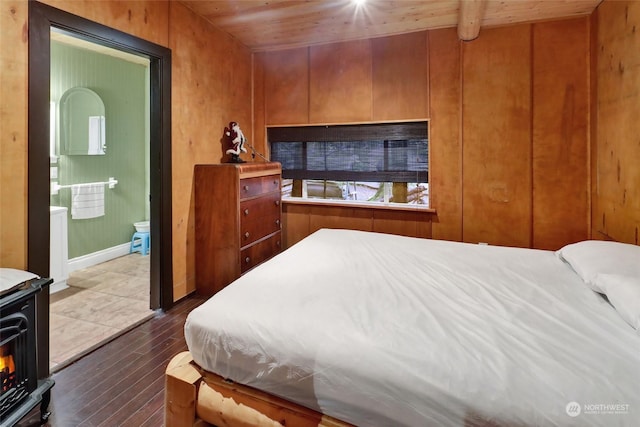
[237,220]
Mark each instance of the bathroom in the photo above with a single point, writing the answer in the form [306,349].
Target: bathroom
[90,262]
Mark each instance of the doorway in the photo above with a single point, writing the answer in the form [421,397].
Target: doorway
[101,287]
[42,19]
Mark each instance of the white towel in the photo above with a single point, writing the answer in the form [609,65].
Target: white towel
[87,200]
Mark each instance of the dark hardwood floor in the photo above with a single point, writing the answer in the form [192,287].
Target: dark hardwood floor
[121,383]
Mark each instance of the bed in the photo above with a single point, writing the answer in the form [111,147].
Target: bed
[358,328]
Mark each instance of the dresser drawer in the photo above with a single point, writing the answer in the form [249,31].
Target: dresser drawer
[253,230]
[261,251]
[250,187]
[260,207]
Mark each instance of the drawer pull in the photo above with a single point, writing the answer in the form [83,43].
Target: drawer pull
[246,260]
[277,222]
[277,202]
[278,243]
[275,182]
[246,188]
[246,235]
[246,211]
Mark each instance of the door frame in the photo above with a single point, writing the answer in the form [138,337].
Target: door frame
[41,19]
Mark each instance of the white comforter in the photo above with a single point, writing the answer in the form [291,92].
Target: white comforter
[383,330]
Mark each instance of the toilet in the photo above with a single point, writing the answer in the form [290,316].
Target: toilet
[142,226]
[141,239]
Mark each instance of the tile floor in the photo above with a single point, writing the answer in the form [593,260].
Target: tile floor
[102,302]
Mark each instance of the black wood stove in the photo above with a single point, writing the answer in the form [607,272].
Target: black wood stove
[22,390]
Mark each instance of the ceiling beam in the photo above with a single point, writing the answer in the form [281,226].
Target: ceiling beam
[470,17]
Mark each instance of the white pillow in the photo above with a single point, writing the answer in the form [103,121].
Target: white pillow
[592,257]
[623,293]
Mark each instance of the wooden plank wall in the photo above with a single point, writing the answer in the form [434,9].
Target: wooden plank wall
[339,82]
[496,130]
[616,186]
[211,85]
[301,220]
[394,97]
[560,133]
[13,134]
[508,124]
[288,83]
[445,168]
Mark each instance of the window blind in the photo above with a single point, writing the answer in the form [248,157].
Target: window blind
[386,152]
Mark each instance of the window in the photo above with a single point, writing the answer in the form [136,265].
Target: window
[370,163]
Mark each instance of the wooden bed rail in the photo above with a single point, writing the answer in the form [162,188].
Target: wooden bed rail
[195,397]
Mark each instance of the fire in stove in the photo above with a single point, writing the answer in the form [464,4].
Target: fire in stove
[16,372]
[7,369]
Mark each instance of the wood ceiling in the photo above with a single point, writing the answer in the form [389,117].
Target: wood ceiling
[279,24]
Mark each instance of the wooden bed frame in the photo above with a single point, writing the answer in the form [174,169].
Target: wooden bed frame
[195,397]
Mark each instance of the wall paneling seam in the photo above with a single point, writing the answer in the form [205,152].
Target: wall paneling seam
[531,118]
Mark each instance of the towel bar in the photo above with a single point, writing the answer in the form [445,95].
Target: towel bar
[55,187]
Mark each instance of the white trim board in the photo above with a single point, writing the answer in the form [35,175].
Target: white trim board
[58,286]
[95,258]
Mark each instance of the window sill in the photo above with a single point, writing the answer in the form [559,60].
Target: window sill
[356,204]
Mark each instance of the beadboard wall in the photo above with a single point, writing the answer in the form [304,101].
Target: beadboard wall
[123,87]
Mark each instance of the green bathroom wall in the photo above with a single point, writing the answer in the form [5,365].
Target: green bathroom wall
[123,87]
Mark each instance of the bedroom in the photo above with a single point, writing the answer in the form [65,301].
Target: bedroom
[544,212]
